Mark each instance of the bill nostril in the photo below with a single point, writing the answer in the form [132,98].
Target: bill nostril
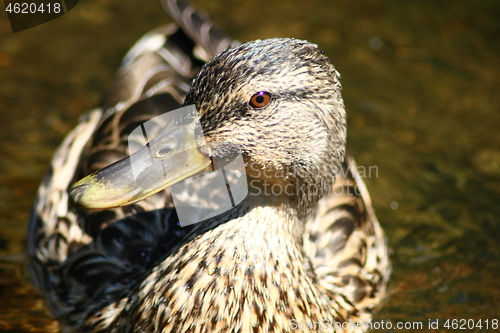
[164,152]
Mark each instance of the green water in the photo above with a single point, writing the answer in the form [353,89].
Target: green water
[422,88]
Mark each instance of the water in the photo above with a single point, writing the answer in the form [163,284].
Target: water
[421,85]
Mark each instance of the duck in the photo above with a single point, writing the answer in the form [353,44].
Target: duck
[300,250]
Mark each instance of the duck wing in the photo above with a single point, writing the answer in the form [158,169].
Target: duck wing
[346,246]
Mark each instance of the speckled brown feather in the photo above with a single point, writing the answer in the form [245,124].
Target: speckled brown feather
[253,269]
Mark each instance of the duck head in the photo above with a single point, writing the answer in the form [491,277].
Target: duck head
[277,101]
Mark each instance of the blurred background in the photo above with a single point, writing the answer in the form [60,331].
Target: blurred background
[422,90]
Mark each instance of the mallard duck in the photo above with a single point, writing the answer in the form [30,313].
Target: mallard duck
[109,255]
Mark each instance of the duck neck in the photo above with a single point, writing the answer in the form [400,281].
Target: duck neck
[294,191]
[261,225]
[249,267]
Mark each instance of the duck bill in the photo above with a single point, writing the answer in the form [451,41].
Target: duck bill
[172,156]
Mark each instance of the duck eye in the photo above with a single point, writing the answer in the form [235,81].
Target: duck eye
[260,99]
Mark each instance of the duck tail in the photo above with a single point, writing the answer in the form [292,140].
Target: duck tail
[209,39]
